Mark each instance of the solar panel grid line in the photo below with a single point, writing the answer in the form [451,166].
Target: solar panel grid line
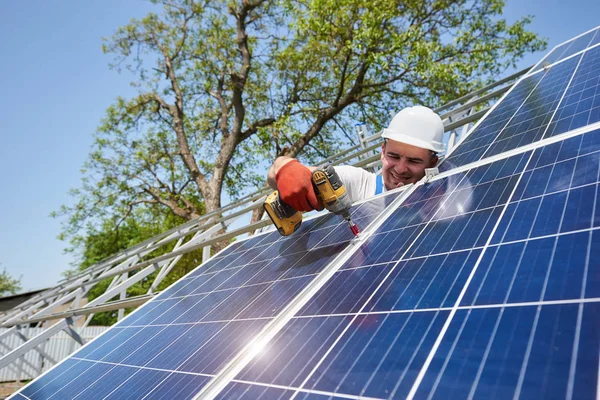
[575,351]
[118,387]
[598,380]
[465,307]
[484,358]
[401,378]
[527,354]
[447,360]
[229,371]
[367,302]
[438,341]
[143,368]
[570,41]
[531,303]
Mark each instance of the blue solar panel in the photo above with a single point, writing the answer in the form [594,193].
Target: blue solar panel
[520,352]
[540,106]
[422,275]
[571,47]
[202,321]
[498,337]
[526,124]
[474,146]
[581,105]
[482,283]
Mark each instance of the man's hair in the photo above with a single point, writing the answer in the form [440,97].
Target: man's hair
[432,153]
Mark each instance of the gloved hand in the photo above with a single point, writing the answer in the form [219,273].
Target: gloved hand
[294,182]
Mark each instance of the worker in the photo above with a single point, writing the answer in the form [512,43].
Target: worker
[411,144]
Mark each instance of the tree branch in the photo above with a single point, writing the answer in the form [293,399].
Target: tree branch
[177,113]
[254,127]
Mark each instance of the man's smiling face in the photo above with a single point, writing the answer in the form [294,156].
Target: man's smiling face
[403,163]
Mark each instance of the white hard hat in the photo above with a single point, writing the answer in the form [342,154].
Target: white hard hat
[418,126]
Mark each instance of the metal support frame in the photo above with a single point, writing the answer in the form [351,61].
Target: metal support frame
[132,265]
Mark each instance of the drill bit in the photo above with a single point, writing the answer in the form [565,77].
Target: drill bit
[353,226]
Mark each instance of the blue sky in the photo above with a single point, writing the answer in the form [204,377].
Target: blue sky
[57,85]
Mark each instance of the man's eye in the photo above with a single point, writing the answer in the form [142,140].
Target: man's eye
[415,161]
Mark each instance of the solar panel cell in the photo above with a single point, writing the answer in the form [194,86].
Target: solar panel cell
[580,107]
[379,355]
[53,380]
[474,146]
[495,341]
[141,383]
[294,352]
[94,379]
[423,283]
[175,386]
[346,291]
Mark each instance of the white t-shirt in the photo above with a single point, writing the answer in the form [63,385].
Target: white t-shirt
[360,184]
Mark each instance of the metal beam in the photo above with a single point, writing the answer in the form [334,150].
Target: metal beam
[17,352]
[70,330]
[36,348]
[109,306]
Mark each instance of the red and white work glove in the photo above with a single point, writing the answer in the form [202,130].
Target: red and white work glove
[294,182]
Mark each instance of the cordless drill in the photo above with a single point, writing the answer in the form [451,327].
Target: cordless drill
[332,195]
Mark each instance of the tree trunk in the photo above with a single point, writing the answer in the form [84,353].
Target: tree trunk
[213,203]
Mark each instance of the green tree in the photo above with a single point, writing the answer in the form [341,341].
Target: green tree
[8,284]
[226,86]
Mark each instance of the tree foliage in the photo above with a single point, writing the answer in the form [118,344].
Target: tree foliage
[8,284]
[226,86]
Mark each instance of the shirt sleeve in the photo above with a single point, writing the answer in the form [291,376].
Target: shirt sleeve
[360,184]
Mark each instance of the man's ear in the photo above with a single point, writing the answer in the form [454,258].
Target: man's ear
[382,151]
[434,161]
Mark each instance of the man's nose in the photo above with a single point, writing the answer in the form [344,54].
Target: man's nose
[401,165]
